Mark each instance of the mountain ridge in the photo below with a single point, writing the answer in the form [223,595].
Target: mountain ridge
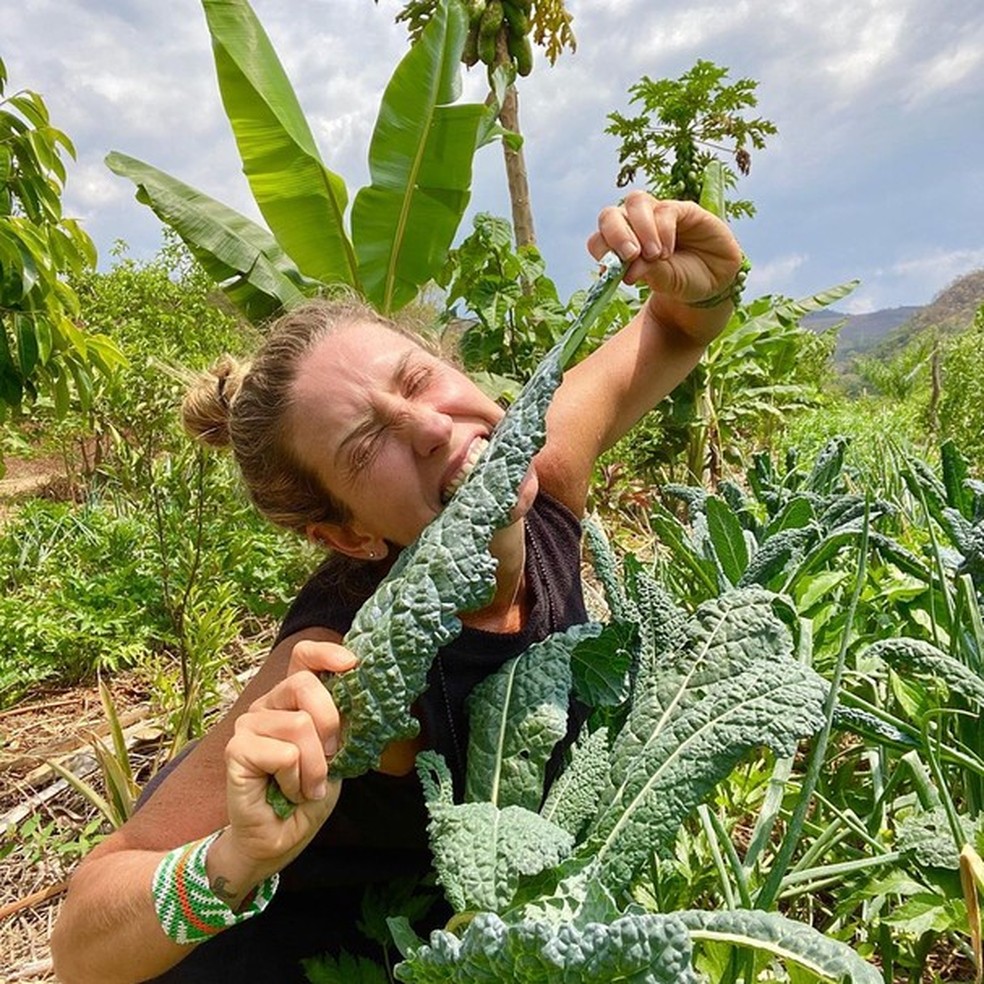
[883,332]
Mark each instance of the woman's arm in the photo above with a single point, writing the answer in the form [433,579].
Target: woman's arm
[685,254]
[284,724]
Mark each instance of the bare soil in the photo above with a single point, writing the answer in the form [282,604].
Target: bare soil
[34,478]
[39,833]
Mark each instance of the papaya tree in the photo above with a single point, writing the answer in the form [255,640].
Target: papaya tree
[684,124]
[401,225]
[501,34]
[42,347]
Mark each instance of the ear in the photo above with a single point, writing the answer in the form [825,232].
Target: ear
[348,540]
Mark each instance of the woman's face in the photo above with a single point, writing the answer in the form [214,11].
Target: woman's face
[390,430]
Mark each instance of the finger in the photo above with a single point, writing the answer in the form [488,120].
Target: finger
[284,744]
[641,211]
[252,759]
[614,233]
[320,656]
[304,692]
[666,217]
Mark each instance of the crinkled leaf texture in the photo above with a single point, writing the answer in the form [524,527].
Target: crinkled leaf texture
[448,569]
[928,837]
[790,940]
[516,717]
[916,655]
[731,686]
[481,853]
[573,798]
[642,949]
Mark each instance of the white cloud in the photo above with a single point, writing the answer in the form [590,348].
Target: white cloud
[861,42]
[947,70]
[776,275]
[938,265]
[862,302]
[92,186]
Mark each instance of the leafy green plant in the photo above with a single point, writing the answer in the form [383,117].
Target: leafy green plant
[402,223]
[116,768]
[783,533]
[40,343]
[757,373]
[545,891]
[501,34]
[882,433]
[793,527]
[38,840]
[961,409]
[82,584]
[510,307]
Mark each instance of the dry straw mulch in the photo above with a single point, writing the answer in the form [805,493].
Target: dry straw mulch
[42,817]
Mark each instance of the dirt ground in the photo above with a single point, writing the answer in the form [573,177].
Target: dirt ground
[41,816]
[35,477]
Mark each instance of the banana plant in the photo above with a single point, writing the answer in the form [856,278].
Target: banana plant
[401,224]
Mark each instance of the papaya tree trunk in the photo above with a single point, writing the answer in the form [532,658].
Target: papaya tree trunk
[519,186]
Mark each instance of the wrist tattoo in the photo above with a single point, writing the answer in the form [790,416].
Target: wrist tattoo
[221,889]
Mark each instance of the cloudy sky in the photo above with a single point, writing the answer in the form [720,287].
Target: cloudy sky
[877,172]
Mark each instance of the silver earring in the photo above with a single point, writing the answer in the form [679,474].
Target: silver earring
[372,554]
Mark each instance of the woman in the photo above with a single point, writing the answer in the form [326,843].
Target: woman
[353,434]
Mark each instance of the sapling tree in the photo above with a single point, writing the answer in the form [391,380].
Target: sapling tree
[684,124]
[42,349]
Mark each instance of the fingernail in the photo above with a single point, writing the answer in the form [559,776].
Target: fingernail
[651,251]
[331,745]
[628,250]
[321,790]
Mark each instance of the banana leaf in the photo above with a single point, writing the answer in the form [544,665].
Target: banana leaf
[302,201]
[253,269]
[420,163]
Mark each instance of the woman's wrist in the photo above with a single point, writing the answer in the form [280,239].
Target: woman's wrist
[729,294]
[185,899]
[232,875]
[698,325]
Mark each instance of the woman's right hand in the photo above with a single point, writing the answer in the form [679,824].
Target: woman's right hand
[290,733]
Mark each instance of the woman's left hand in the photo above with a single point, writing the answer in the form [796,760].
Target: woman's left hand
[682,251]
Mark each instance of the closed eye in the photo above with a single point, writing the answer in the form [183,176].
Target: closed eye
[417,380]
[363,453]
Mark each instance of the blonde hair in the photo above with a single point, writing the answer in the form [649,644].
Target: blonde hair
[246,406]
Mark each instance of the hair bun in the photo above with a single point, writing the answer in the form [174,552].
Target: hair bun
[206,405]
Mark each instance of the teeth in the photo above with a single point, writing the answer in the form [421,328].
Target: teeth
[474,453]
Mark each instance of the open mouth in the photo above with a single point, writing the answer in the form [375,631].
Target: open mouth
[475,452]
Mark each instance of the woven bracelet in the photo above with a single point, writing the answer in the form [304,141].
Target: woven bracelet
[730,293]
[188,910]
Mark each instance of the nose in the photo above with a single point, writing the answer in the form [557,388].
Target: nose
[430,430]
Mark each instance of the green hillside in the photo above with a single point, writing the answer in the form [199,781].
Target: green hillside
[886,332]
[950,312]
